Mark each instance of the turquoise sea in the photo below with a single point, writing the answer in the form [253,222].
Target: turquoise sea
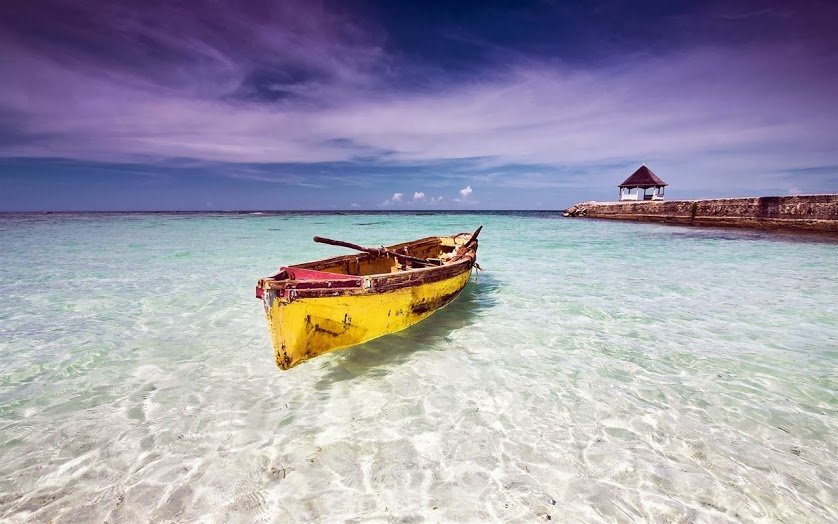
[593,372]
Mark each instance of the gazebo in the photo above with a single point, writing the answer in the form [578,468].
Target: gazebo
[643,179]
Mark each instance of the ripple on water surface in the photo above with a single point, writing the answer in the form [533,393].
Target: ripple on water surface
[594,371]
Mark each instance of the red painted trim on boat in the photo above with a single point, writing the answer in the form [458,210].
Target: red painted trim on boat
[300,274]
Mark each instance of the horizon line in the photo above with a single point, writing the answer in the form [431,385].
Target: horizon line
[254,211]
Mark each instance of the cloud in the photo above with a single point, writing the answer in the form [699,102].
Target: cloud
[420,198]
[676,106]
[313,85]
[465,197]
[354,205]
[397,198]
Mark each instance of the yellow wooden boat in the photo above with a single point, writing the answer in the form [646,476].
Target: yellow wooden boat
[338,302]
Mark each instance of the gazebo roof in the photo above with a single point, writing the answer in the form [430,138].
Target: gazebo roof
[644,178]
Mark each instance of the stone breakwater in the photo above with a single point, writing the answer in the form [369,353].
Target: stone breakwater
[815,213]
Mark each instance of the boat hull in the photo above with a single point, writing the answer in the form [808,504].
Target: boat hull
[304,327]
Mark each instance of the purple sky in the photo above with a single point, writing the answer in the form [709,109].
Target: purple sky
[394,105]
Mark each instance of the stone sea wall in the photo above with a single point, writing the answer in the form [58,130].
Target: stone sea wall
[816,213]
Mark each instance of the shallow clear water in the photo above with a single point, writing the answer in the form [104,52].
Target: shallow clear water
[595,371]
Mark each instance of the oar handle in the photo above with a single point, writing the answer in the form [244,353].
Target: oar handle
[350,245]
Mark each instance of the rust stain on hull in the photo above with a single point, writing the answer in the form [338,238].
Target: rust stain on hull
[429,305]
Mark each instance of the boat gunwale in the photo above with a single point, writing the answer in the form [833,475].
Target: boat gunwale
[378,282]
[344,258]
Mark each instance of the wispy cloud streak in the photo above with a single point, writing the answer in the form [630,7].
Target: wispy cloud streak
[675,105]
[299,83]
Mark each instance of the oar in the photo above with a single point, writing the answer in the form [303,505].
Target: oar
[376,251]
